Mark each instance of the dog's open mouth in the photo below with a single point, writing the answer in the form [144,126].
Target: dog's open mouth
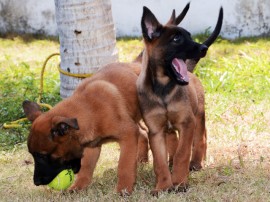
[180,71]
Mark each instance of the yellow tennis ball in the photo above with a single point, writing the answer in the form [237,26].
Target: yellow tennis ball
[63,180]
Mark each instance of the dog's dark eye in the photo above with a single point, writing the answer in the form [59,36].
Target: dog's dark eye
[54,132]
[178,38]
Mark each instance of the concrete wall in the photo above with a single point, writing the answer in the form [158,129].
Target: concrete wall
[28,16]
[241,17]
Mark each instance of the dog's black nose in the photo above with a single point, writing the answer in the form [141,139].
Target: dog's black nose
[37,181]
[203,50]
[40,180]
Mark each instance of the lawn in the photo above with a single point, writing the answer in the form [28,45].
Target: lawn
[236,77]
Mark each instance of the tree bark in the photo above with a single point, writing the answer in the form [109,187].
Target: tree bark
[87,39]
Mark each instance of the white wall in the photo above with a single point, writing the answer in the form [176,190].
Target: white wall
[30,16]
[241,17]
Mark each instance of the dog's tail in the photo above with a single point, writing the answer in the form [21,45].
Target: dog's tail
[191,63]
[177,20]
[216,31]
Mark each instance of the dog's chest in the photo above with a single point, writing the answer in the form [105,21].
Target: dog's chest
[168,98]
[161,97]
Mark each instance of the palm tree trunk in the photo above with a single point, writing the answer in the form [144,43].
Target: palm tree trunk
[87,38]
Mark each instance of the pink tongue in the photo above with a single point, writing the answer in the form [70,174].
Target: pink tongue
[181,67]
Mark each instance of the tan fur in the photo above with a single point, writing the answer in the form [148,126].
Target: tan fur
[186,116]
[170,105]
[106,108]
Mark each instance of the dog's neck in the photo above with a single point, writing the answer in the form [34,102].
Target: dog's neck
[154,76]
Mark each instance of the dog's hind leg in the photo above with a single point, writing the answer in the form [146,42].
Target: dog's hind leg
[172,143]
[143,146]
[199,144]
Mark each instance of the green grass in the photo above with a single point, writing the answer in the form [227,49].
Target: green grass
[236,77]
[21,59]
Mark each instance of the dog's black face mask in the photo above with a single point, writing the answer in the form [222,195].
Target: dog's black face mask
[174,44]
[46,168]
[53,143]
[180,47]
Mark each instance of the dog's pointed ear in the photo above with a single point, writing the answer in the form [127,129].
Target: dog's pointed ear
[172,19]
[31,110]
[151,28]
[61,125]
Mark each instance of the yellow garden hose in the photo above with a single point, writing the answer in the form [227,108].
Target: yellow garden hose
[15,124]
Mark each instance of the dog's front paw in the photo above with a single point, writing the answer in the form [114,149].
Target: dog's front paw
[124,189]
[181,188]
[80,184]
[124,193]
[157,192]
[142,159]
[195,166]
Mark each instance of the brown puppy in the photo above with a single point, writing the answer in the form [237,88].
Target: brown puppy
[171,135]
[103,108]
[172,98]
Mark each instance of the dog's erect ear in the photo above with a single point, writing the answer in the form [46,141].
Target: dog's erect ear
[61,125]
[31,110]
[151,28]
[172,19]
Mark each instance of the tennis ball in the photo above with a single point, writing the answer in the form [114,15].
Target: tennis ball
[63,180]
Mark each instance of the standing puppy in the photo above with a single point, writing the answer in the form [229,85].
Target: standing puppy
[171,135]
[172,98]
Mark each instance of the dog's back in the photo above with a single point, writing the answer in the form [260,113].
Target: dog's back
[119,79]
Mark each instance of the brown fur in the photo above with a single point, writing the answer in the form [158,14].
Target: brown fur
[188,117]
[105,107]
[168,107]
[171,134]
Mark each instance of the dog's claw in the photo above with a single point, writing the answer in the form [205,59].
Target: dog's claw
[72,191]
[180,188]
[124,193]
[154,193]
[157,192]
[193,166]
